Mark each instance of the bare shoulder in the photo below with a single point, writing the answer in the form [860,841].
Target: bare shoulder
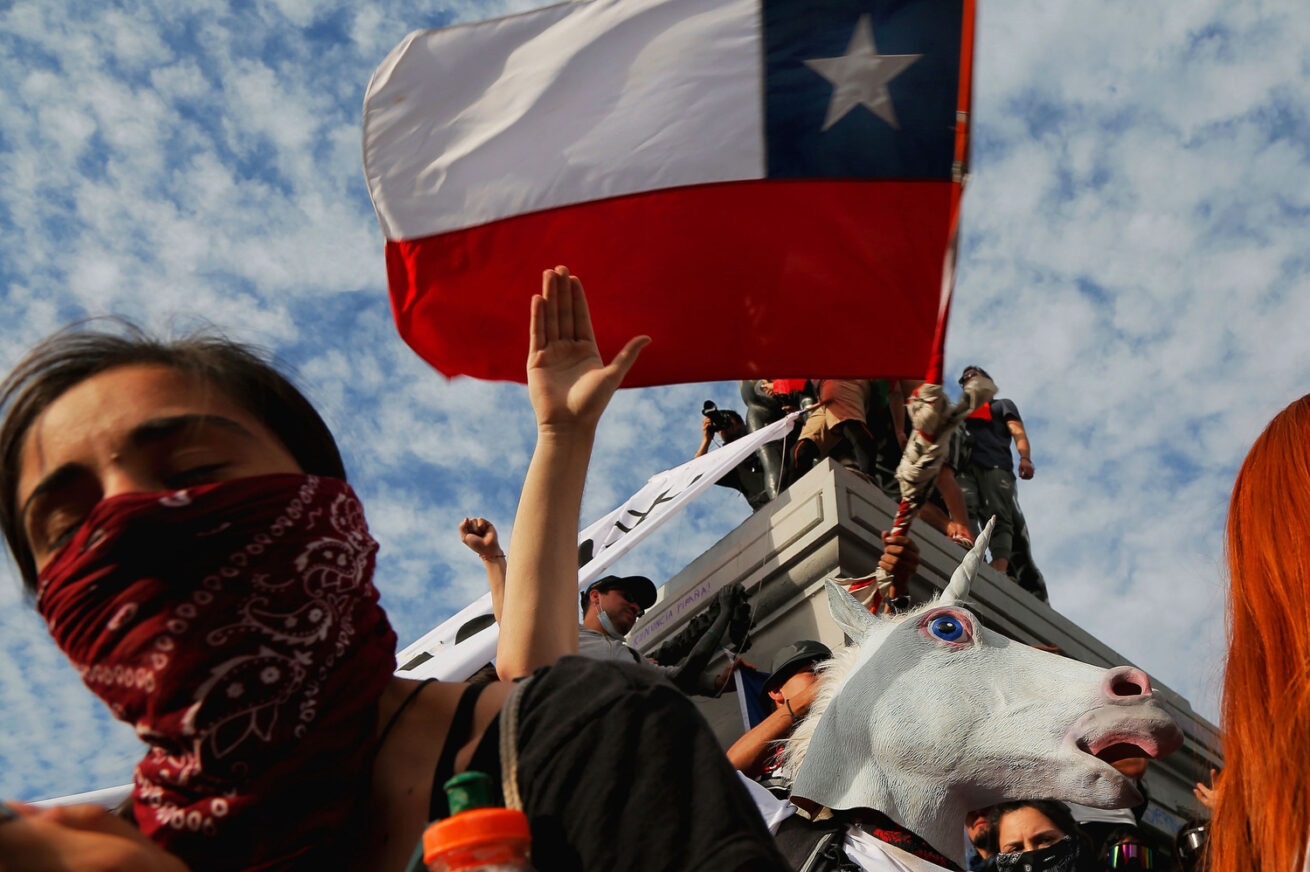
[407,757]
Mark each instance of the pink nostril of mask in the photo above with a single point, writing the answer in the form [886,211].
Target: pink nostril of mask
[1127,681]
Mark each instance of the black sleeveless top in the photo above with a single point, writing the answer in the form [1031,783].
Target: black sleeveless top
[486,757]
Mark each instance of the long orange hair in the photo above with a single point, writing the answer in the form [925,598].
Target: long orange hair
[1262,814]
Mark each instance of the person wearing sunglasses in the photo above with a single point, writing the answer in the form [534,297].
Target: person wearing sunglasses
[1126,849]
[987,480]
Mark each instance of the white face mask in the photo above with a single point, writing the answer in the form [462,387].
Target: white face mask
[608,625]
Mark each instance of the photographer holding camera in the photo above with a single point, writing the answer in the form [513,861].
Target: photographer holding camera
[747,478]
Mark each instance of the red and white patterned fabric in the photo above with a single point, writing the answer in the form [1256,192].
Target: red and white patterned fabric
[237,628]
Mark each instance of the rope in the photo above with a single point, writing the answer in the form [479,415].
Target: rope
[509,753]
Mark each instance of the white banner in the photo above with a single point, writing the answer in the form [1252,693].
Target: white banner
[606,540]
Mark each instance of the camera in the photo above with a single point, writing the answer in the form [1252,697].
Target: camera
[720,419]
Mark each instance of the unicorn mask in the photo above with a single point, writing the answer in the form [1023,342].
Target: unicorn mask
[929,715]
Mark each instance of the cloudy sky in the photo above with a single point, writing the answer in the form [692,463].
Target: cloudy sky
[1134,274]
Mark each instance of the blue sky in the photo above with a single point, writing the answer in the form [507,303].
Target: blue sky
[1133,274]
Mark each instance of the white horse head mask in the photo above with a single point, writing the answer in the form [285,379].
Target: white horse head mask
[929,715]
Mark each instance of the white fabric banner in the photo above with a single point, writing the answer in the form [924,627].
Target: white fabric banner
[606,540]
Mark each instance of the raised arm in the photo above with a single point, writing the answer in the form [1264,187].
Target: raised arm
[752,751]
[706,438]
[569,387]
[480,536]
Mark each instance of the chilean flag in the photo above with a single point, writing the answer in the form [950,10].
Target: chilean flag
[768,188]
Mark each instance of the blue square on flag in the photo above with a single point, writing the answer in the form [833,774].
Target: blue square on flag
[861,89]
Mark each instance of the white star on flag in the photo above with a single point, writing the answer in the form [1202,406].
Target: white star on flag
[860,77]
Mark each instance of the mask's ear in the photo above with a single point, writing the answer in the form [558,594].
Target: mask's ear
[849,613]
[962,578]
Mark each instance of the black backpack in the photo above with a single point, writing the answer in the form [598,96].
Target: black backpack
[811,846]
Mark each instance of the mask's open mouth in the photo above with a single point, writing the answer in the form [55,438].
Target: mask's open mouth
[1112,748]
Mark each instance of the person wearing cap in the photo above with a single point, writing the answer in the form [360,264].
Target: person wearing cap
[610,608]
[610,605]
[789,690]
[987,480]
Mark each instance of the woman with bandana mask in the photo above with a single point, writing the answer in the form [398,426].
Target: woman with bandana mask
[181,516]
[1037,836]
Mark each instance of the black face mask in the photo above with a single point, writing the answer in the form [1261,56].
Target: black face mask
[1060,857]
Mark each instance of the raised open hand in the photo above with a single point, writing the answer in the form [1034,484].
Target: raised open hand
[1205,792]
[568,383]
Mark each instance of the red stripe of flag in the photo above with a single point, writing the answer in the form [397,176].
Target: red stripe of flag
[859,246]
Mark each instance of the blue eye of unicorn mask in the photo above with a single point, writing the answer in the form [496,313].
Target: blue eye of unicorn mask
[947,625]
[947,628]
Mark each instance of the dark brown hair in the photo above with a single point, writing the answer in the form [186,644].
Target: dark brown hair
[75,354]
[1056,812]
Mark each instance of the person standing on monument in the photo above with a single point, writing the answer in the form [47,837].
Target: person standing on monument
[987,480]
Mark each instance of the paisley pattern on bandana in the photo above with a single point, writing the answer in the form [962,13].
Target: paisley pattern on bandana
[237,628]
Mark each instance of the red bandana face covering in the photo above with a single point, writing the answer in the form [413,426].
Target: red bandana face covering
[237,628]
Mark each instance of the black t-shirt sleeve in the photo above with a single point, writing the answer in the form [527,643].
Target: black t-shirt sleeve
[1005,410]
[618,770]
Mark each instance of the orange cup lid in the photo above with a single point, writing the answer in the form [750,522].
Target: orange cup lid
[474,828]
